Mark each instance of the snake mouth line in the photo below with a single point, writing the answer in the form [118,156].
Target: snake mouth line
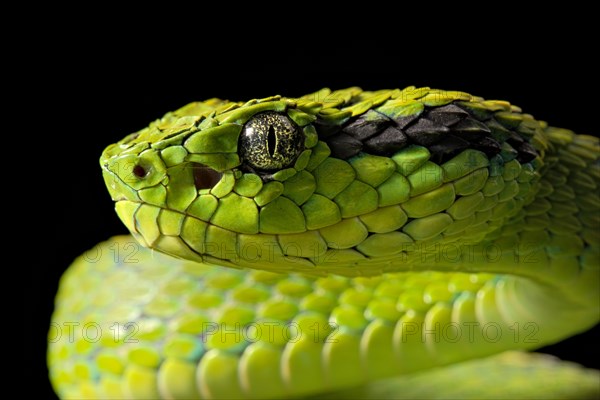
[155,243]
[269,252]
[258,251]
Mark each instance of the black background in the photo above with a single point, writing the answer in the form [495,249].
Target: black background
[94,94]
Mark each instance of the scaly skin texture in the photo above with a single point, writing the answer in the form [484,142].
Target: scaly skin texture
[368,235]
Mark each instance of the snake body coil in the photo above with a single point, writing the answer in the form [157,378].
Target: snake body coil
[368,235]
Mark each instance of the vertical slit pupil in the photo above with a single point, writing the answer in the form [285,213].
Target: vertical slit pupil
[271,141]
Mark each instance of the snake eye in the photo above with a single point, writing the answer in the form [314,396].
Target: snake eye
[270,141]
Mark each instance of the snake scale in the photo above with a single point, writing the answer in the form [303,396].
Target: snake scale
[309,245]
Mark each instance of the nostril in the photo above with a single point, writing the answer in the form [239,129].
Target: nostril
[205,177]
[139,171]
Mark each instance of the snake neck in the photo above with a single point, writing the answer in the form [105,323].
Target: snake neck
[552,234]
[541,222]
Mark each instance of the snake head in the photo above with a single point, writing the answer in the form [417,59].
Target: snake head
[349,182]
[200,180]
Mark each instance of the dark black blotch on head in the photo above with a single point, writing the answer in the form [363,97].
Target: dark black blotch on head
[367,125]
[445,131]
[426,132]
[344,146]
[526,153]
[447,148]
[387,142]
[447,115]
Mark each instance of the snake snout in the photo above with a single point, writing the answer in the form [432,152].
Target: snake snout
[136,171]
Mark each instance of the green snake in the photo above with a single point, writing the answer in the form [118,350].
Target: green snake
[315,244]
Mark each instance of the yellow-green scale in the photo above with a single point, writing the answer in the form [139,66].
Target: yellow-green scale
[291,323]
[175,335]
